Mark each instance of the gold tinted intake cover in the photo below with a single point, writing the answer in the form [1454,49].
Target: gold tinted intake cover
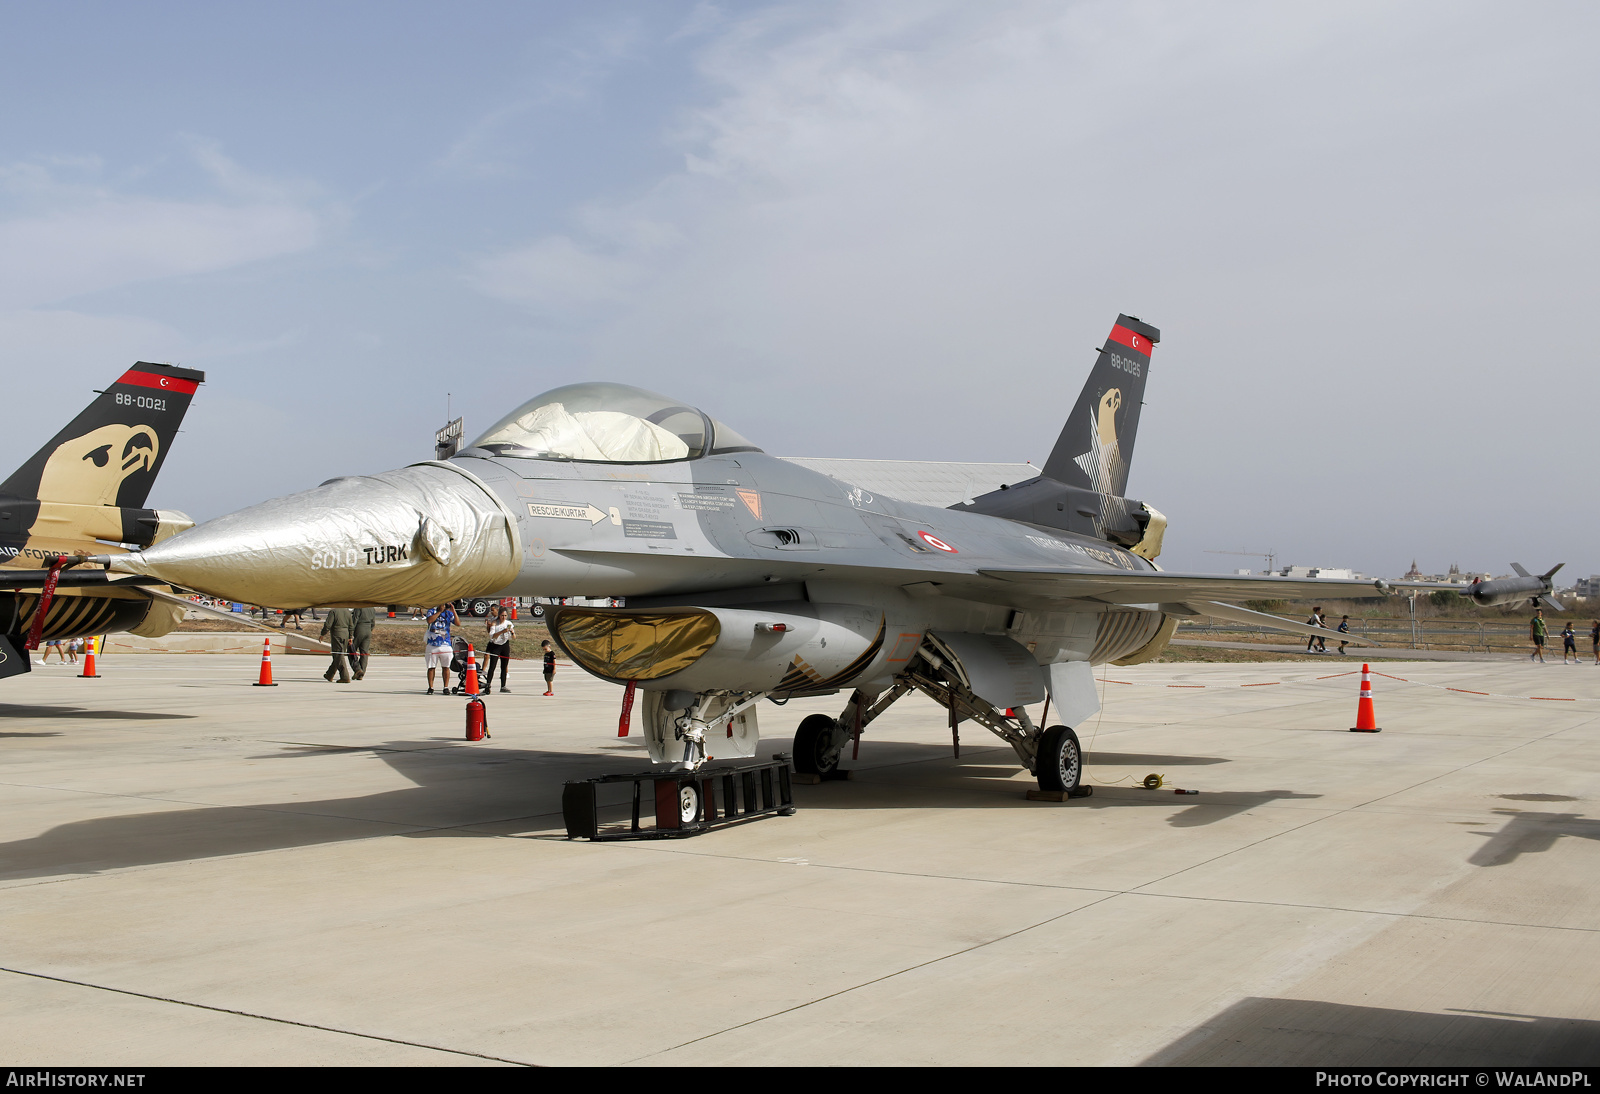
[623,645]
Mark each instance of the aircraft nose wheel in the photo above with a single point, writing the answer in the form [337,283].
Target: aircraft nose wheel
[688,803]
[1060,759]
[814,752]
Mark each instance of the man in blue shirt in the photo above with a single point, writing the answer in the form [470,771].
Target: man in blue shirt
[438,649]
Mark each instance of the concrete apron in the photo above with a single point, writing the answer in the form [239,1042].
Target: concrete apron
[197,871]
[215,642]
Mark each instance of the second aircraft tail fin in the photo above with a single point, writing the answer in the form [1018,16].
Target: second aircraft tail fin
[111,452]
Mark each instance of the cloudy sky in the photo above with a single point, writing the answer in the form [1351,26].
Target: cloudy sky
[872,229]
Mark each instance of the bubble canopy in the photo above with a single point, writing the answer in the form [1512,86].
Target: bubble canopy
[609,423]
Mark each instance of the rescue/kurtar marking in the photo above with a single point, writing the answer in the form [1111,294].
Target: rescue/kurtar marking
[566,512]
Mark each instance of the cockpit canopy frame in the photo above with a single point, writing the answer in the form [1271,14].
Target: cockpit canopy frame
[602,422]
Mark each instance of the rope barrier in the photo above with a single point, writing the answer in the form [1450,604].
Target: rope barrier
[1352,672]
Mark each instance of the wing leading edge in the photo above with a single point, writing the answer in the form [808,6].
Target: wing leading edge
[1164,586]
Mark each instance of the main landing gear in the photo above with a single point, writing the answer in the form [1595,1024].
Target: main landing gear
[1053,755]
[817,745]
[1059,760]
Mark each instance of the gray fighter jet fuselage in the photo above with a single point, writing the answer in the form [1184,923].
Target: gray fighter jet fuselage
[750,577]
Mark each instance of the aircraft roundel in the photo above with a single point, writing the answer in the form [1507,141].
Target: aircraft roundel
[936,543]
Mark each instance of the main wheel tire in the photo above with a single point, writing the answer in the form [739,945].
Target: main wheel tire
[1060,759]
[813,745]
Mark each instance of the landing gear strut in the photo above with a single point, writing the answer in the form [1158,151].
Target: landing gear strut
[1053,755]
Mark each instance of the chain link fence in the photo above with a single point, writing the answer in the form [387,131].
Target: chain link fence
[1484,636]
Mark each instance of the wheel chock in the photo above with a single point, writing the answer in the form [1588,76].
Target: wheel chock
[807,778]
[686,803]
[1060,795]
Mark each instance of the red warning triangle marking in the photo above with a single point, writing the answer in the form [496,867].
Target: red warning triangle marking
[752,502]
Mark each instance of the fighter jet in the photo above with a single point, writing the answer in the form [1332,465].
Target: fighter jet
[81,493]
[748,577]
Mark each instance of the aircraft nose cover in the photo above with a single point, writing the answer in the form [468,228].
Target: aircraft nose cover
[419,535]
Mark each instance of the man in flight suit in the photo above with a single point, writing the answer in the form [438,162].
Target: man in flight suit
[363,618]
[337,630]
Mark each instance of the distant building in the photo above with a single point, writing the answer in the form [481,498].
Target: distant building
[1326,572]
[1588,587]
[1455,576]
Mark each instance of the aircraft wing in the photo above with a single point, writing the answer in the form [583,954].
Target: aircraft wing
[921,482]
[1162,586]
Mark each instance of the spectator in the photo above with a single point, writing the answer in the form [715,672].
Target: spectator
[1569,644]
[549,667]
[1594,640]
[438,648]
[1344,628]
[501,630]
[1316,643]
[1536,632]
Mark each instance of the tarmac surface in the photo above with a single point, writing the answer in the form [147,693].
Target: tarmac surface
[1358,653]
[197,871]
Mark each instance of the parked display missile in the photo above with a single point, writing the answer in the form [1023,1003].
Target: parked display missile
[1507,590]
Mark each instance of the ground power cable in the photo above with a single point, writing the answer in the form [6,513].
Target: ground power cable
[1094,736]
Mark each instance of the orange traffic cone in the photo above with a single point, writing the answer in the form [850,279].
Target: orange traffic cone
[472,673]
[1366,719]
[266,665]
[88,672]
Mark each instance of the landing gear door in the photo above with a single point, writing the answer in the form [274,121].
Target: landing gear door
[1073,692]
[998,670]
[736,736]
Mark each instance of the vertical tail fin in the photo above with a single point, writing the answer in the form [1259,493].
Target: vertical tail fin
[111,452]
[1096,445]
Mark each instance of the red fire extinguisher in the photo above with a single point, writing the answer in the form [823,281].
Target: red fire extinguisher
[477,720]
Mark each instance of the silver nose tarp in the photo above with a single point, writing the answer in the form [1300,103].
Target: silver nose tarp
[419,536]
